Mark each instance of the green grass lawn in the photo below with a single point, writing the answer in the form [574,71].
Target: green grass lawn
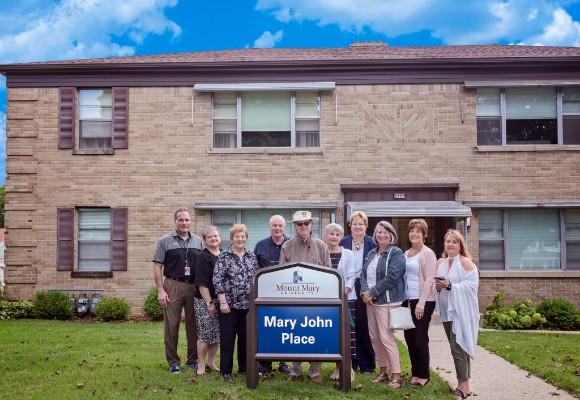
[552,356]
[72,360]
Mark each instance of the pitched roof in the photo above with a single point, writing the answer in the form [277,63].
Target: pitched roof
[356,52]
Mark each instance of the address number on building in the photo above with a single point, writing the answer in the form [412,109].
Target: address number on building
[399,195]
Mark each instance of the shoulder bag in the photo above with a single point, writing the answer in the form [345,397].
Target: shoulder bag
[400,317]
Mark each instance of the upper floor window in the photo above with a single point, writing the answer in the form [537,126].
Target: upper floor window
[528,115]
[93,118]
[266,119]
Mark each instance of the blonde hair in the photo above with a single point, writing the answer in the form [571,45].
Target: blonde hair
[421,224]
[237,228]
[462,246]
[359,214]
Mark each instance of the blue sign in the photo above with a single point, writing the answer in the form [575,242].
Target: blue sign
[298,329]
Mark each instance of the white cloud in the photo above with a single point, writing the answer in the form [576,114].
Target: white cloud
[451,21]
[41,30]
[562,31]
[72,29]
[267,40]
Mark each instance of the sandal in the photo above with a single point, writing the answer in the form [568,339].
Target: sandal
[467,393]
[208,367]
[383,376]
[419,384]
[459,394]
[334,376]
[395,384]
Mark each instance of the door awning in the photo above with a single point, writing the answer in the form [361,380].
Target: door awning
[409,209]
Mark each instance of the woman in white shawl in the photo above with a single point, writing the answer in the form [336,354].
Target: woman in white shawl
[456,282]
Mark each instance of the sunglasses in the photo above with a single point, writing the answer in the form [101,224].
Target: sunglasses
[305,223]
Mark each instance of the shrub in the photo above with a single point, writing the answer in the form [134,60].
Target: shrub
[560,314]
[112,309]
[151,308]
[15,309]
[522,315]
[53,304]
[1,293]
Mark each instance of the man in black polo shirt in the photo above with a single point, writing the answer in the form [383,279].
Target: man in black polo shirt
[174,258]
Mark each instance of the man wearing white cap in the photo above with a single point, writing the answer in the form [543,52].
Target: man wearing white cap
[306,248]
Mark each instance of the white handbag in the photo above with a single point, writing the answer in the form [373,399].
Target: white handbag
[400,318]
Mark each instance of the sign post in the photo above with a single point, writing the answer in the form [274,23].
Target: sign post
[298,312]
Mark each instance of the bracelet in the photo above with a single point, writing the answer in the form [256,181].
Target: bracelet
[448,286]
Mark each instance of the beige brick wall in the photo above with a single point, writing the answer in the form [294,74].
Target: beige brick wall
[376,134]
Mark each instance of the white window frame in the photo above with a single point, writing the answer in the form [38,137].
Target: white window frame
[503,115]
[103,142]
[105,263]
[290,231]
[293,119]
[564,240]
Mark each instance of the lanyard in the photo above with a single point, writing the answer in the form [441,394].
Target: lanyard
[185,249]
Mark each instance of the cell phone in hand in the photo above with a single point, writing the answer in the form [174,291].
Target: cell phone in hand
[440,278]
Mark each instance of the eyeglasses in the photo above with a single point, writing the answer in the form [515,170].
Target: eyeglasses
[305,223]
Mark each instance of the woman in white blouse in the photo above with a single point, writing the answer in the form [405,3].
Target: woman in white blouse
[420,294]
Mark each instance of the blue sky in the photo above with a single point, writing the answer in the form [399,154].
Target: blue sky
[41,30]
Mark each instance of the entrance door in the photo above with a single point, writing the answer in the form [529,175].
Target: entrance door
[438,226]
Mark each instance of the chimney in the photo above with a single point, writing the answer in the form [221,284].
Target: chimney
[364,43]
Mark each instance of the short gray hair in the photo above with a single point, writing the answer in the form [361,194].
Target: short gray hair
[207,229]
[333,227]
[389,228]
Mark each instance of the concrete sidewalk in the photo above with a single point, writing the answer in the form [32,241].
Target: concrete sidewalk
[492,377]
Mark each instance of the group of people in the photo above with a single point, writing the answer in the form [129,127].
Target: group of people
[213,286]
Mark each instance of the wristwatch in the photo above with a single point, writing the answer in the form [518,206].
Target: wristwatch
[209,303]
[448,286]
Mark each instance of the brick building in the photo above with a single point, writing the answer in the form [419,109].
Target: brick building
[482,138]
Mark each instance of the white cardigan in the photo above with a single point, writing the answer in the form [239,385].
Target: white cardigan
[346,269]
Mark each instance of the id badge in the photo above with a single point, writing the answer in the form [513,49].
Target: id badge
[187,271]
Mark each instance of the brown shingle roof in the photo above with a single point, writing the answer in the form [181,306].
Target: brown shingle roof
[353,53]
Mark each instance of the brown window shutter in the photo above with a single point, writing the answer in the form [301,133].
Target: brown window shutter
[66,118]
[119,227]
[65,239]
[120,118]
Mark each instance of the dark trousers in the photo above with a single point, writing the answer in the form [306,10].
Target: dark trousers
[365,355]
[418,339]
[232,324]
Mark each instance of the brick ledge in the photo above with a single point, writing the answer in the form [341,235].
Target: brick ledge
[529,274]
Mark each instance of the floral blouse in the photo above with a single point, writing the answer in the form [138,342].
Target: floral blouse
[233,277]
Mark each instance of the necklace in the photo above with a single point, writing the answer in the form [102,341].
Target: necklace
[357,244]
